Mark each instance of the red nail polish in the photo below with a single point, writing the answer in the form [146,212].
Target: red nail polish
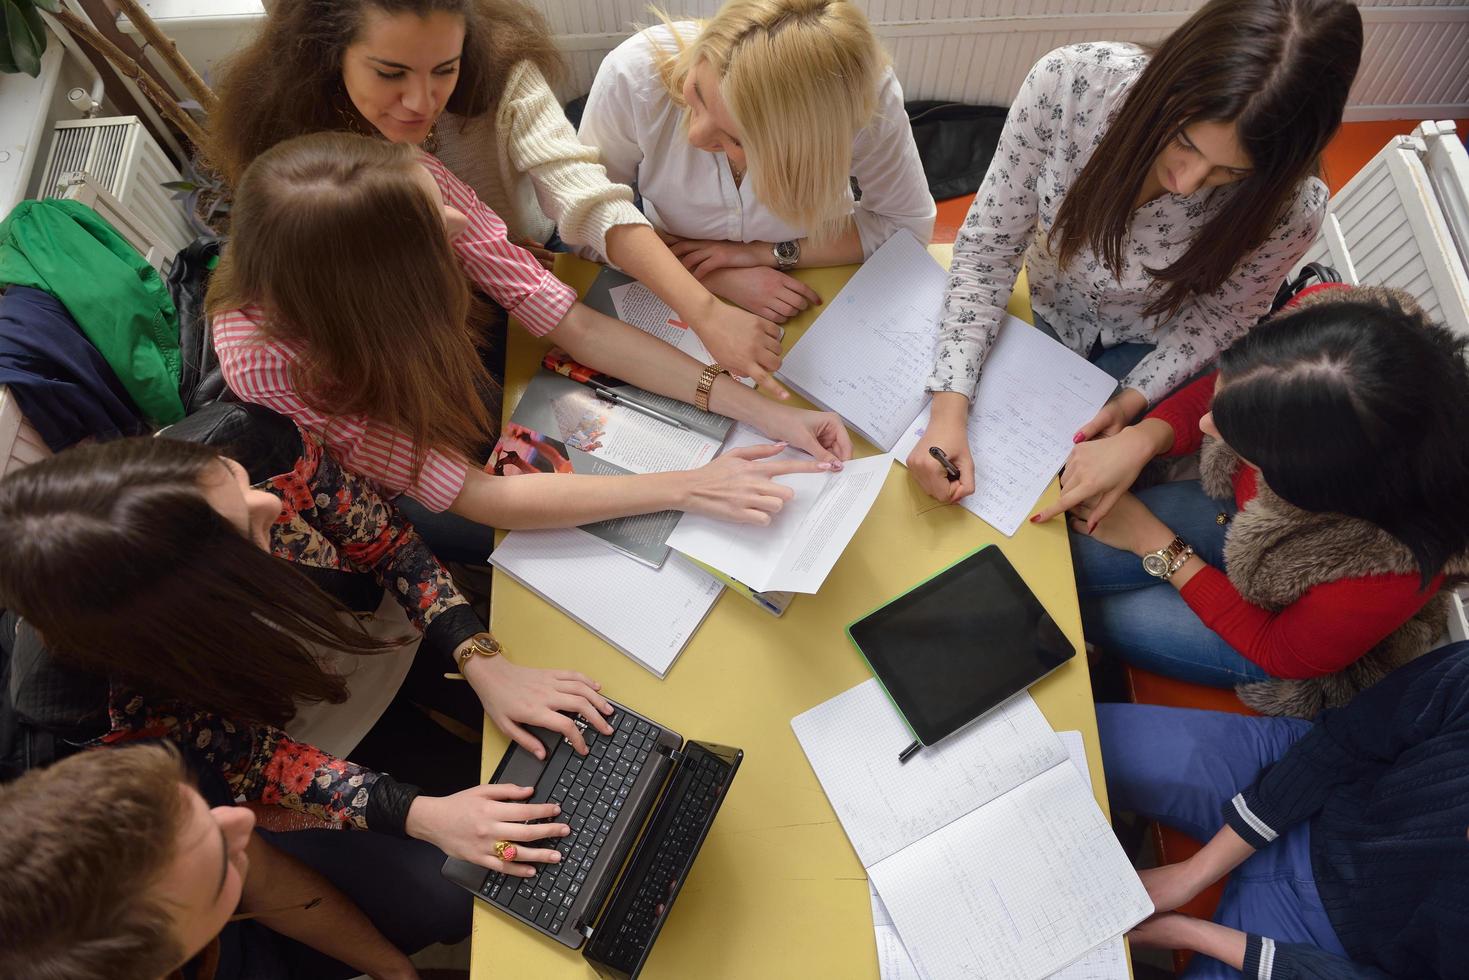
[1078,438]
[1035,518]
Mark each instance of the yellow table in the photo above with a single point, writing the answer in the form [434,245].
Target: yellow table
[777,891]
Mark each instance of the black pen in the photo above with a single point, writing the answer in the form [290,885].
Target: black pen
[950,470]
[909,752]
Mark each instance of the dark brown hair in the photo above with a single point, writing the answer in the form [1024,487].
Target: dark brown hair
[289,80]
[84,840]
[114,555]
[336,239]
[1280,71]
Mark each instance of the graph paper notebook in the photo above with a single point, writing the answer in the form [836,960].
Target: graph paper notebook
[988,850]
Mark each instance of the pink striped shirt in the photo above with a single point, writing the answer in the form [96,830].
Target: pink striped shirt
[258,369]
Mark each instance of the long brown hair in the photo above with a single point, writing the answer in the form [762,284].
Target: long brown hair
[85,839]
[1280,71]
[336,240]
[288,82]
[114,555]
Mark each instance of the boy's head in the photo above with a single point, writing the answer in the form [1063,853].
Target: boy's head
[115,867]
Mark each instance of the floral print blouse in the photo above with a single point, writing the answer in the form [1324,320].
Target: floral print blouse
[1060,116]
[330,519]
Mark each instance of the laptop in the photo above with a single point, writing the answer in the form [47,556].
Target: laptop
[639,806]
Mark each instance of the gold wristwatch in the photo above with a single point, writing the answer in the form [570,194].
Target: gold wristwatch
[706,385]
[1162,564]
[480,645]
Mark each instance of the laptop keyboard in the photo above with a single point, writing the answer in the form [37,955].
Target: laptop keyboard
[591,790]
[704,775]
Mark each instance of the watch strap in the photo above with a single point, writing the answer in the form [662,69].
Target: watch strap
[706,385]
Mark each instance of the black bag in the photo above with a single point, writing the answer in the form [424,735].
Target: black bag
[48,710]
[1290,288]
[956,143]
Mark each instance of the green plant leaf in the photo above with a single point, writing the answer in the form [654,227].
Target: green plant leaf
[33,20]
[7,63]
[25,47]
[50,6]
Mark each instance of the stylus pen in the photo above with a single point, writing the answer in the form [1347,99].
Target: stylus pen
[950,470]
[910,751]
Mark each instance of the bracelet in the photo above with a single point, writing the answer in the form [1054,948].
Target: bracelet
[706,385]
[481,644]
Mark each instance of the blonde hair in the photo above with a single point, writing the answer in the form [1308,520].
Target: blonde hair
[800,78]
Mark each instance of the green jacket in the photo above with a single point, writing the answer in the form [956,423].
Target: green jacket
[119,301]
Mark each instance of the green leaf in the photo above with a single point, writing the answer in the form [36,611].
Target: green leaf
[50,6]
[33,20]
[7,63]
[25,49]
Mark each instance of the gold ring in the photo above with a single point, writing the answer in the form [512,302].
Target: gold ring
[504,850]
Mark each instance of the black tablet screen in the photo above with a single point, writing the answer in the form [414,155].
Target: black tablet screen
[960,643]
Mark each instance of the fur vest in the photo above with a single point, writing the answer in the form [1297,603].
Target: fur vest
[1275,551]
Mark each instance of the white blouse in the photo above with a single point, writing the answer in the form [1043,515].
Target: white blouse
[1058,119]
[691,193]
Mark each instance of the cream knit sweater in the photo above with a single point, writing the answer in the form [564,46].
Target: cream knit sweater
[527,164]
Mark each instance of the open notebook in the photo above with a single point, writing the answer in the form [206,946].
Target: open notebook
[648,613]
[870,353]
[1106,962]
[988,850]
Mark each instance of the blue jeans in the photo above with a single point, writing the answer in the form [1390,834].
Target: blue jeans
[1180,767]
[1117,361]
[1143,620]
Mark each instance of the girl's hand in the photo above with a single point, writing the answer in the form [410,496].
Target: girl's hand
[1100,471]
[542,254]
[747,344]
[822,434]
[740,486]
[1129,526]
[514,696]
[702,256]
[1121,409]
[1171,885]
[468,824]
[948,429]
[765,292]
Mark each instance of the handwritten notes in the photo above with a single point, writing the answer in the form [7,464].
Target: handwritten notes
[869,352]
[1034,394]
[989,853]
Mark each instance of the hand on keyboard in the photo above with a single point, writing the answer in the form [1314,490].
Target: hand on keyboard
[514,696]
[468,824]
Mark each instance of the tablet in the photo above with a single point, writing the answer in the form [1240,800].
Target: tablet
[960,643]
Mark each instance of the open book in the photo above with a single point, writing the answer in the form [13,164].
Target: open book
[573,420]
[869,354]
[797,549]
[988,850]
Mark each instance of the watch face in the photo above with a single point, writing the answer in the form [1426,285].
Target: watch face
[787,251]
[1155,565]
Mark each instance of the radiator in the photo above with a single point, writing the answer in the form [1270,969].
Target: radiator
[122,158]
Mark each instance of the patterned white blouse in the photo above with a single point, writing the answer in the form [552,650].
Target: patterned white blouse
[1058,119]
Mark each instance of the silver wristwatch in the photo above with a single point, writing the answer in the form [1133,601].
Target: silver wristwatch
[1162,564]
[787,254]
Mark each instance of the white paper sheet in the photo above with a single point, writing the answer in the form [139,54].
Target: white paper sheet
[1105,962]
[870,351]
[853,741]
[797,549]
[648,613]
[1034,394]
[638,305]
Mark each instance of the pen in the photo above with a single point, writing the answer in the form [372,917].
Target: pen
[950,470]
[909,752]
[612,397]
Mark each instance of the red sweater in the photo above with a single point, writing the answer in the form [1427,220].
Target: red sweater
[1323,631]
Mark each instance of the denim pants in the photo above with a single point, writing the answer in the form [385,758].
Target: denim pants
[1180,767]
[1130,614]
[1117,360]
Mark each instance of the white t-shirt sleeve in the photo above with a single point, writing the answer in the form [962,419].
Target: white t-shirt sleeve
[888,170]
